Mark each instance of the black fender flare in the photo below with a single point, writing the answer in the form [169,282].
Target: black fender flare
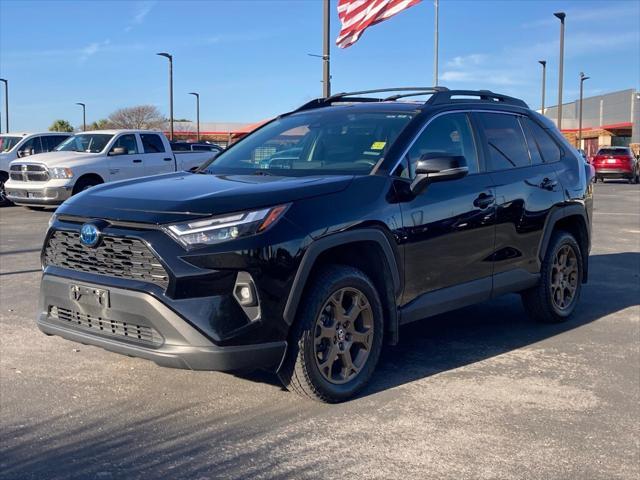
[318,246]
[554,217]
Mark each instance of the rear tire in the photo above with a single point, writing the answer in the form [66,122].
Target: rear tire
[555,297]
[337,340]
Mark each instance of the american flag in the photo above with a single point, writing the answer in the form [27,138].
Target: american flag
[357,15]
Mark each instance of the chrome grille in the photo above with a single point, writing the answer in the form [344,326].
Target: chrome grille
[105,326]
[114,256]
[27,172]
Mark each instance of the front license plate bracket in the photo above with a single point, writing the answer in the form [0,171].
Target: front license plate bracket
[85,295]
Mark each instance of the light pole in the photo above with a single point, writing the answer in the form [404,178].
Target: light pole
[170,57]
[544,81]
[561,16]
[84,116]
[583,77]
[436,35]
[6,102]
[326,59]
[197,95]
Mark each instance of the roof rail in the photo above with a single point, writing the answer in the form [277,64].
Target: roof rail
[446,96]
[355,96]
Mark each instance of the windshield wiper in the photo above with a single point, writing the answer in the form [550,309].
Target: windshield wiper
[262,172]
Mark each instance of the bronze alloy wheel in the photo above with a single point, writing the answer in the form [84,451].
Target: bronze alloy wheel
[564,278]
[343,335]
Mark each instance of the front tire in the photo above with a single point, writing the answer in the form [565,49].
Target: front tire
[554,299]
[338,338]
[85,183]
[4,201]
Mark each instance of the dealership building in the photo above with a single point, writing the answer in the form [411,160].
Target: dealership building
[612,119]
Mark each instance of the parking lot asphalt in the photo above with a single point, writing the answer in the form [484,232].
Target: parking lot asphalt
[478,393]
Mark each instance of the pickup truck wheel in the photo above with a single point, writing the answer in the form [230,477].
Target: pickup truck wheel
[338,337]
[4,201]
[556,296]
[84,183]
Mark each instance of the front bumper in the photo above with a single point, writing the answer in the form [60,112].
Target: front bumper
[137,324]
[28,195]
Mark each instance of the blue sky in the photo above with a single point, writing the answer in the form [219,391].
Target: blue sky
[248,59]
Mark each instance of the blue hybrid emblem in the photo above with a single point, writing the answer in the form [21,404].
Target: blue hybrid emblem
[89,235]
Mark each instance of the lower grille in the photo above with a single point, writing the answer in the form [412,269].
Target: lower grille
[105,326]
[115,257]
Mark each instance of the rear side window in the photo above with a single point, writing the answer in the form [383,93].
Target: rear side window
[449,134]
[507,147]
[534,151]
[548,147]
[152,143]
[52,141]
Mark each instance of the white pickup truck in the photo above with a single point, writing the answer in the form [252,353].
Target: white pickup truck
[90,158]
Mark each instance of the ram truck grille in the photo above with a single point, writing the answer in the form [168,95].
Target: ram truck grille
[24,172]
[114,257]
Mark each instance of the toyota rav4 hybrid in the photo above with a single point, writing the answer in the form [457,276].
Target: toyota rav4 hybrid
[307,244]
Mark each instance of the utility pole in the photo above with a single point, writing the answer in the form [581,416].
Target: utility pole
[583,77]
[326,59]
[197,95]
[544,81]
[561,16]
[84,116]
[170,58]
[6,102]
[436,44]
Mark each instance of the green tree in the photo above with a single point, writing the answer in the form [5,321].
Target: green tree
[61,126]
[101,124]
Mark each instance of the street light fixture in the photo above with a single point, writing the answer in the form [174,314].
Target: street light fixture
[197,95]
[583,77]
[6,102]
[561,16]
[544,81]
[84,116]
[170,58]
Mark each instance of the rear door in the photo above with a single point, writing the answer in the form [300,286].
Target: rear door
[156,158]
[448,228]
[526,189]
[128,165]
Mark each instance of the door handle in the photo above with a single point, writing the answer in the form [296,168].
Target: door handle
[484,200]
[168,159]
[137,160]
[548,184]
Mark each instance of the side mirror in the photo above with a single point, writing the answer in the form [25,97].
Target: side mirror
[118,151]
[438,167]
[25,153]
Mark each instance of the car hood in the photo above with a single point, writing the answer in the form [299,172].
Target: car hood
[181,196]
[57,159]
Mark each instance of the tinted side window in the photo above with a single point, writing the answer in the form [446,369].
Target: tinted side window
[52,141]
[128,142]
[32,146]
[449,134]
[547,145]
[534,151]
[507,147]
[180,147]
[152,143]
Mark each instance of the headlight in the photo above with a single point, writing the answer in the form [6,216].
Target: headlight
[60,172]
[225,227]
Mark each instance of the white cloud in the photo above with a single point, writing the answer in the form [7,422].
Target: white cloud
[142,10]
[93,48]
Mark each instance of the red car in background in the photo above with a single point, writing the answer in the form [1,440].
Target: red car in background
[616,162]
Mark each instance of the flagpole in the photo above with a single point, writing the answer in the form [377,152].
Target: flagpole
[326,59]
[435,46]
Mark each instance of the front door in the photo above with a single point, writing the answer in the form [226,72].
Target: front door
[448,229]
[130,163]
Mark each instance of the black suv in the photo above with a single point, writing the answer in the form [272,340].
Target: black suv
[306,245]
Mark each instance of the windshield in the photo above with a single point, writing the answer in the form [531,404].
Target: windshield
[317,142]
[86,142]
[7,143]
